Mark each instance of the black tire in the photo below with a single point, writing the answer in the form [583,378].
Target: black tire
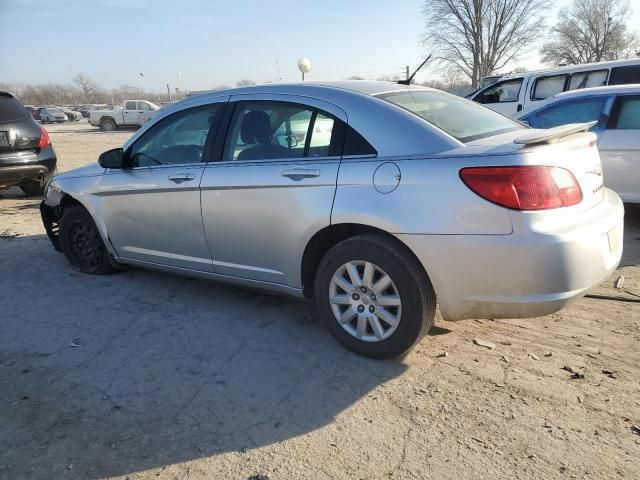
[414,287]
[81,242]
[108,125]
[33,188]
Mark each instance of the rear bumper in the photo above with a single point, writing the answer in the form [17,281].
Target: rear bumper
[27,166]
[537,270]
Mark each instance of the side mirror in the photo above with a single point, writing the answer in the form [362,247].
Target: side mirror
[112,158]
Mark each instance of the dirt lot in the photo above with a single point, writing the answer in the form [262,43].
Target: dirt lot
[143,375]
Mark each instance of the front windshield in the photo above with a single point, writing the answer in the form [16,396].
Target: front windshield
[462,119]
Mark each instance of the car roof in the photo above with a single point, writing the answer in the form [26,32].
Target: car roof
[582,92]
[358,86]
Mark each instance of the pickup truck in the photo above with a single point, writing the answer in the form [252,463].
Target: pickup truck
[130,113]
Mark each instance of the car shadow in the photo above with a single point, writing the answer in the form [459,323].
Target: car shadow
[106,376]
[631,251]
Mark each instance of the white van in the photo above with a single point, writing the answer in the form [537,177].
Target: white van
[512,93]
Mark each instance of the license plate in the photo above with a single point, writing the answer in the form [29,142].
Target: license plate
[614,238]
[4,139]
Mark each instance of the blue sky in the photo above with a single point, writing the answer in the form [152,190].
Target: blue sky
[209,42]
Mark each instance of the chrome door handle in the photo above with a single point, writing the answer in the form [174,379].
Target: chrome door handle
[181,177]
[298,173]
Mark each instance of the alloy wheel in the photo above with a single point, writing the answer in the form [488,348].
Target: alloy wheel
[365,301]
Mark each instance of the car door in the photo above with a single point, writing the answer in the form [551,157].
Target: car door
[152,209]
[273,186]
[619,147]
[503,96]
[130,113]
[144,112]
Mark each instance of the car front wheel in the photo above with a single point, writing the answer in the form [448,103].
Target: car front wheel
[81,242]
[374,296]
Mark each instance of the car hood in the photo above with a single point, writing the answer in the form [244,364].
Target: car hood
[86,171]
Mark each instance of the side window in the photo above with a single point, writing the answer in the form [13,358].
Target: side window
[625,75]
[176,139]
[570,111]
[595,78]
[355,144]
[130,105]
[265,130]
[545,87]
[625,114]
[507,91]
[143,106]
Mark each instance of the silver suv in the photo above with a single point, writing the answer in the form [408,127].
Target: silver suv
[377,200]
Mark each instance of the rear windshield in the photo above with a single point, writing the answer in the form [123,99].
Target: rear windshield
[11,109]
[462,119]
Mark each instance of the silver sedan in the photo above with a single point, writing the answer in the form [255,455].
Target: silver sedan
[377,200]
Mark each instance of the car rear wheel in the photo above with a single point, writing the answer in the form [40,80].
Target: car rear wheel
[81,242]
[107,125]
[33,188]
[374,296]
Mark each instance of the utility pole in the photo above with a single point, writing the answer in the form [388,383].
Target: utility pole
[169,91]
[407,72]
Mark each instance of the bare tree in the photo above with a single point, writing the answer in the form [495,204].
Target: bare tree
[86,84]
[245,83]
[480,36]
[591,31]
[355,77]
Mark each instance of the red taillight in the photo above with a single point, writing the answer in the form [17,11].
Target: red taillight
[524,187]
[44,138]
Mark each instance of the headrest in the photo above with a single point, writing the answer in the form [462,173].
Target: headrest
[256,127]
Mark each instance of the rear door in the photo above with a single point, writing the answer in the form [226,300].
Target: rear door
[130,114]
[273,185]
[152,210]
[619,147]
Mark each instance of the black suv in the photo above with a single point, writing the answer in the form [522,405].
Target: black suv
[27,158]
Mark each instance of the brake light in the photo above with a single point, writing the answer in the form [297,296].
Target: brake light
[44,138]
[524,187]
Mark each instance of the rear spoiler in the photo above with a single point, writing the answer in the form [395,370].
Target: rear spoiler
[552,135]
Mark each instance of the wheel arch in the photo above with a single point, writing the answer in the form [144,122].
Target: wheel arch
[323,240]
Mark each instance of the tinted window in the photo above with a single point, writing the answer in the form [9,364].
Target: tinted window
[355,144]
[130,105]
[570,111]
[11,109]
[625,75]
[178,138]
[546,87]
[596,78]
[143,106]
[458,117]
[625,114]
[501,92]
[272,130]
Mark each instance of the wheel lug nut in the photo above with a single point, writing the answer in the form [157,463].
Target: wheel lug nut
[371,308]
[373,297]
[355,296]
[360,308]
[363,290]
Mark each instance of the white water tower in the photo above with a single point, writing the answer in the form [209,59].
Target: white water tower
[304,65]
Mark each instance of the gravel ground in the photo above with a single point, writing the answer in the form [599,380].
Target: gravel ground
[142,375]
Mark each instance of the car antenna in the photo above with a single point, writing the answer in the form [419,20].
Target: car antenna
[410,79]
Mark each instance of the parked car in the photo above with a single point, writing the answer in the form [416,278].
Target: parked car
[52,115]
[514,93]
[131,113]
[27,158]
[615,112]
[72,116]
[414,197]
